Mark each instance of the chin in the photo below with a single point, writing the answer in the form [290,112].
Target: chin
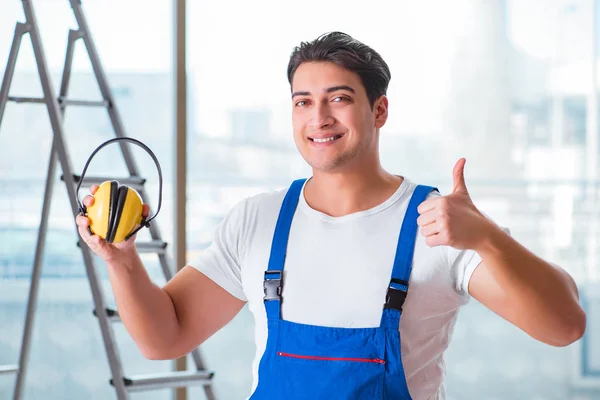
[328,162]
[330,165]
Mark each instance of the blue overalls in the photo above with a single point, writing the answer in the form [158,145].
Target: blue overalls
[315,362]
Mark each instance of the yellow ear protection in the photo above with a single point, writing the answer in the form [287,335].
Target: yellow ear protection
[117,209]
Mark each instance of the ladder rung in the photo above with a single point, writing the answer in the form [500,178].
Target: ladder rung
[167,380]
[7,369]
[134,182]
[113,315]
[92,103]
[154,246]
[62,101]
[26,99]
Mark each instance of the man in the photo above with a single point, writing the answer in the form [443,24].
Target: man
[361,248]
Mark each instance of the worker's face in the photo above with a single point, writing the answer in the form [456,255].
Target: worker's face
[334,126]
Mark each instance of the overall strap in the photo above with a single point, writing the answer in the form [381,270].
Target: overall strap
[273,281]
[403,260]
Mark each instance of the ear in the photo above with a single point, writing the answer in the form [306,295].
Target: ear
[380,111]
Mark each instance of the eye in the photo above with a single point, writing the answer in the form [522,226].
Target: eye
[301,103]
[339,99]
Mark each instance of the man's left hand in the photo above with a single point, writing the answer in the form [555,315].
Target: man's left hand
[453,220]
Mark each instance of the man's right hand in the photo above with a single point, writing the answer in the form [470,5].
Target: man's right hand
[106,251]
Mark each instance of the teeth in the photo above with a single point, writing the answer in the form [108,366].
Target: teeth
[329,139]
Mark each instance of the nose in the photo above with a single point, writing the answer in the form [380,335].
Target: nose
[322,117]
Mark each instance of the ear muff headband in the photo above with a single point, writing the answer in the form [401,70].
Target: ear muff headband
[115,200]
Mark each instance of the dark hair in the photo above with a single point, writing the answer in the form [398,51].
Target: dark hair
[348,53]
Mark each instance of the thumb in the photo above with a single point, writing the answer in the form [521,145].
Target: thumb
[459,177]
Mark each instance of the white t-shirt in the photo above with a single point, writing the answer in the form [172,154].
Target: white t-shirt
[337,271]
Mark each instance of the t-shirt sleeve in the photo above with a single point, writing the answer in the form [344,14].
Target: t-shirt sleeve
[462,265]
[221,261]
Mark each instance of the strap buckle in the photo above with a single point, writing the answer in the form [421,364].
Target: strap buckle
[272,285]
[396,294]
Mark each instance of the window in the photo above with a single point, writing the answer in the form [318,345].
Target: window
[469,79]
[67,358]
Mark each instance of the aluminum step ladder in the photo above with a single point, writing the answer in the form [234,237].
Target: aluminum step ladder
[123,385]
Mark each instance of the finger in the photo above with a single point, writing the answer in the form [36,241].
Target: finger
[145,210]
[93,241]
[82,221]
[431,229]
[88,201]
[427,218]
[94,188]
[131,238]
[427,205]
[459,177]
[434,240]
[83,232]
[88,239]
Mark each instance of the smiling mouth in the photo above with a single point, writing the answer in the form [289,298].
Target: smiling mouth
[327,139]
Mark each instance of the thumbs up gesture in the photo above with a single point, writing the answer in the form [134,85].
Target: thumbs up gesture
[453,220]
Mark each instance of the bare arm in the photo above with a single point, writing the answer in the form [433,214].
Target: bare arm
[169,322]
[538,297]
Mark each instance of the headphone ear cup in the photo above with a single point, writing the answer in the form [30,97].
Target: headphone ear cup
[117,199]
[130,215]
[99,212]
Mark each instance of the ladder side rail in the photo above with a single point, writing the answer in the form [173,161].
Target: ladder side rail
[20,30]
[61,150]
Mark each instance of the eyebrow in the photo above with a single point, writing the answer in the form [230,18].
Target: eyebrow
[329,90]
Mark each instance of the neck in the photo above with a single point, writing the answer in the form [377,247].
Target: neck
[339,193]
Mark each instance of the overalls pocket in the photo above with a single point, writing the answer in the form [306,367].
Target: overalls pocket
[321,358]
[305,376]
